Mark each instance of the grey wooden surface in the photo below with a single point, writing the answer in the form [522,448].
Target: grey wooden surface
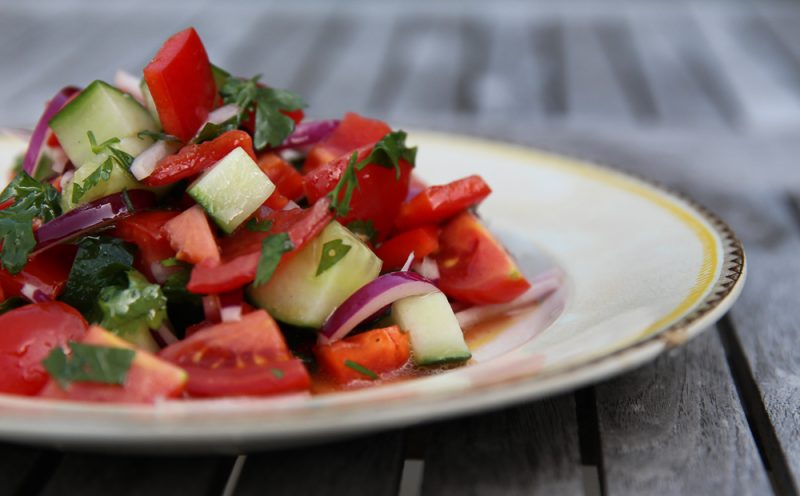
[704,97]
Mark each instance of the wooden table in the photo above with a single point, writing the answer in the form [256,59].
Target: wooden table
[703,97]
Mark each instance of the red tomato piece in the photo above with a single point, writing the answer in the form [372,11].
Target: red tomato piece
[379,351]
[194,159]
[144,229]
[422,241]
[190,235]
[377,199]
[180,80]
[245,358]
[242,250]
[474,267]
[438,203]
[352,132]
[149,378]
[48,272]
[28,334]
[287,180]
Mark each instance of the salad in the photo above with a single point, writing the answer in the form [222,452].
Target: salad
[191,235]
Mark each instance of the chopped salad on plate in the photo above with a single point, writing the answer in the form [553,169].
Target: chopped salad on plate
[190,234]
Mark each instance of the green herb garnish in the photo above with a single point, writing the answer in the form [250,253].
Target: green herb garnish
[32,199]
[256,225]
[272,248]
[364,229]
[387,153]
[277,373]
[127,200]
[332,252]
[361,369]
[135,308]
[89,363]
[170,262]
[102,173]
[116,157]
[157,136]
[211,130]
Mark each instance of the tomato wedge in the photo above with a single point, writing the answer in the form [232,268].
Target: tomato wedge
[352,132]
[437,203]
[285,177]
[242,250]
[144,229]
[377,199]
[422,241]
[378,351]
[149,377]
[181,83]
[474,267]
[194,159]
[245,358]
[48,272]
[190,234]
[28,334]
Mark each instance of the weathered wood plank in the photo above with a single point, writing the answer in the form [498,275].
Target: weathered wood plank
[676,427]
[91,475]
[370,466]
[21,466]
[531,449]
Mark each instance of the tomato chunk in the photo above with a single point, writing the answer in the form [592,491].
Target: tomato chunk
[377,198]
[28,334]
[422,241]
[180,80]
[379,351]
[245,358]
[48,272]
[285,177]
[144,229]
[474,267]
[194,159]
[242,250]
[352,132]
[190,235]
[437,203]
[149,377]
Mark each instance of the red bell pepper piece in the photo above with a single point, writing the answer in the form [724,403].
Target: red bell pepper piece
[285,177]
[144,229]
[353,132]
[438,203]
[378,351]
[47,272]
[182,85]
[422,241]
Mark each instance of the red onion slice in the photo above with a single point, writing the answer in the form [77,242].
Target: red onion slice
[428,268]
[91,217]
[145,163]
[164,336]
[212,308]
[371,299]
[308,133]
[41,131]
[222,114]
[34,294]
[230,304]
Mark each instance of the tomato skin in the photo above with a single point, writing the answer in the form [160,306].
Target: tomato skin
[285,177]
[422,241]
[379,195]
[191,236]
[47,271]
[438,203]
[149,378]
[195,158]
[352,132]
[144,229]
[242,250]
[28,334]
[182,85]
[379,350]
[245,358]
[474,267]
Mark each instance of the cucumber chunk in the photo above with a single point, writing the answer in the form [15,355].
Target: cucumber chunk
[232,189]
[108,113]
[297,295]
[435,334]
[118,180]
[149,103]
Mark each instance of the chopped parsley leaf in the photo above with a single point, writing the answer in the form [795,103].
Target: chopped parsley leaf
[361,369]
[89,363]
[272,248]
[332,252]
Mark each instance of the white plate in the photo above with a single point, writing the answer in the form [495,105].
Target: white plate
[644,270]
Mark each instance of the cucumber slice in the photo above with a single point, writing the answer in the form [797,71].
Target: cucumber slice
[118,180]
[436,336]
[108,113]
[232,189]
[297,295]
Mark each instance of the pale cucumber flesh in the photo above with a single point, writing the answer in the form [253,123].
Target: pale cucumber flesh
[435,334]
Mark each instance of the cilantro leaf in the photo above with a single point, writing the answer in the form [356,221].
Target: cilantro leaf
[211,130]
[32,199]
[170,262]
[138,307]
[97,149]
[361,369]
[272,248]
[101,261]
[256,225]
[115,156]
[363,229]
[102,173]
[332,251]
[388,152]
[157,136]
[89,363]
